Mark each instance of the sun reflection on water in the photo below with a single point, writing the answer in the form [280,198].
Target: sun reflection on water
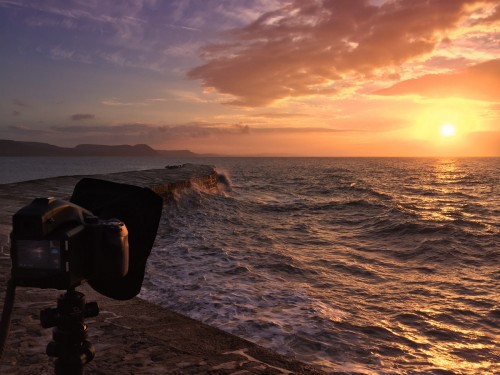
[441,198]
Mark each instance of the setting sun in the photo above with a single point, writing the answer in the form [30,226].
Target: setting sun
[448,130]
[365,134]
[211,81]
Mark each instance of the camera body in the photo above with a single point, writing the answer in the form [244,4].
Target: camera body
[58,244]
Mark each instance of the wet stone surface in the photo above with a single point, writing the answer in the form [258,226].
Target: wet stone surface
[130,337]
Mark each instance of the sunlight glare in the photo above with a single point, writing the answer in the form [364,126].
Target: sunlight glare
[448,130]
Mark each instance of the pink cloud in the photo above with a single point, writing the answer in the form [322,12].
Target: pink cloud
[480,82]
[306,48]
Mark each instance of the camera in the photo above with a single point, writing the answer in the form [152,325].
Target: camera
[57,244]
[103,236]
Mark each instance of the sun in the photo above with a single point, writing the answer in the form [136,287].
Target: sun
[448,130]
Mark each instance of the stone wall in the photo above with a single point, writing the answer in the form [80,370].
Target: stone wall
[134,336]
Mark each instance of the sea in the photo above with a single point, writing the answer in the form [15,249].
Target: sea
[354,265]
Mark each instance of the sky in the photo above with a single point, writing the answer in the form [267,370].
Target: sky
[254,77]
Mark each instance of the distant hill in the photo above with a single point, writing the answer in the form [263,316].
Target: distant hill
[120,150]
[16,148]
[177,153]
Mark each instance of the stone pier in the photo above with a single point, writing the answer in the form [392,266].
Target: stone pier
[134,336]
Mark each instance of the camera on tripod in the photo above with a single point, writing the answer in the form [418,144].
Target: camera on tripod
[57,244]
[103,236]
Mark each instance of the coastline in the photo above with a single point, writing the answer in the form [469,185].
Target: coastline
[135,336]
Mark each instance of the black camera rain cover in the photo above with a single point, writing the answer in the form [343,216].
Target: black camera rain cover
[140,209]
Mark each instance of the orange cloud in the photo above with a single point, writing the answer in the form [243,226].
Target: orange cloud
[480,82]
[306,48]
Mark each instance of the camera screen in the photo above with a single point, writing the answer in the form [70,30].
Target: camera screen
[43,255]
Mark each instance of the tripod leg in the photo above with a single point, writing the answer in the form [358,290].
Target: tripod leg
[72,350]
[70,344]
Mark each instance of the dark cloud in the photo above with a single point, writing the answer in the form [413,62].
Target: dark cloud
[82,116]
[234,139]
[24,130]
[192,130]
[16,113]
[147,130]
[111,129]
[306,47]
[20,103]
[480,82]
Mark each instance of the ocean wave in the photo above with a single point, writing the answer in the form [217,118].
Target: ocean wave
[380,269]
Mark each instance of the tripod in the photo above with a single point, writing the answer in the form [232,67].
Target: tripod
[70,344]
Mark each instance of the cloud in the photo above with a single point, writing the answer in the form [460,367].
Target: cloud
[307,48]
[59,53]
[278,115]
[20,103]
[112,102]
[117,103]
[82,116]
[479,82]
[146,34]
[24,130]
[184,131]
[299,130]
[232,138]
[124,129]
[47,21]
